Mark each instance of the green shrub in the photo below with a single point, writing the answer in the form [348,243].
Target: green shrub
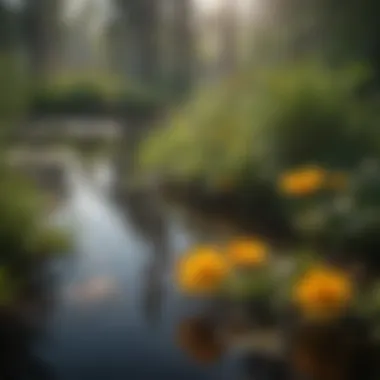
[13,90]
[79,98]
[25,238]
[22,208]
[343,220]
[352,221]
[260,123]
[90,97]
[259,284]
[310,114]
[46,241]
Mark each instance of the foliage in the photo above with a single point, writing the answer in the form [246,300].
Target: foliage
[344,217]
[22,209]
[13,97]
[87,95]
[334,32]
[248,286]
[259,123]
[49,240]
[312,290]
[80,98]
[105,84]
[350,216]
[350,31]
[24,237]
[238,270]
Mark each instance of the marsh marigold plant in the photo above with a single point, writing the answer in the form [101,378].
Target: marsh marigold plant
[323,292]
[246,253]
[202,271]
[302,181]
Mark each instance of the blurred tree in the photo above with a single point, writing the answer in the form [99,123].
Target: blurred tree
[183,44]
[142,19]
[115,35]
[8,28]
[41,34]
[12,80]
[351,31]
[335,31]
[157,41]
[228,35]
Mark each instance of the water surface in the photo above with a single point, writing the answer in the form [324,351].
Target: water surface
[116,313]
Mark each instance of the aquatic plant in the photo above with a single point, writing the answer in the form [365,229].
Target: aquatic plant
[302,181]
[203,271]
[247,253]
[323,292]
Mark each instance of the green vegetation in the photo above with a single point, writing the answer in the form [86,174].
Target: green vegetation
[13,85]
[25,236]
[262,122]
[91,95]
[345,219]
[256,119]
[238,137]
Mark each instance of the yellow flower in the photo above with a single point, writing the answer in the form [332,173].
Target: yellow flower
[323,292]
[303,181]
[247,253]
[197,337]
[202,271]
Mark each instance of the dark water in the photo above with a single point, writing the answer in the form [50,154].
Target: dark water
[115,313]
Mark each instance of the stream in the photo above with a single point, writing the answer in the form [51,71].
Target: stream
[115,312]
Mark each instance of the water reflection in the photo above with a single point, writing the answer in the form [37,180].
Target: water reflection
[258,366]
[198,337]
[147,220]
[153,294]
[17,336]
[115,337]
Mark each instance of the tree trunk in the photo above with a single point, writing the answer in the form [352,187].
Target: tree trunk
[142,16]
[183,48]
[41,35]
[228,36]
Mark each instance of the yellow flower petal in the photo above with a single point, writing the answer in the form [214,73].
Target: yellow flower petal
[303,181]
[323,292]
[202,271]
[247,253]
